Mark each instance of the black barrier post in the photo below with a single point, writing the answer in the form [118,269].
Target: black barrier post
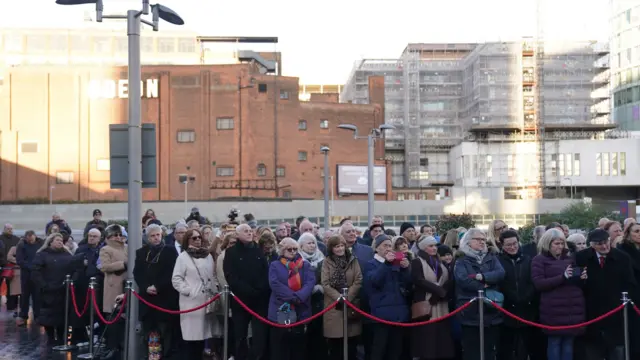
[625,301]
[345,323]
[92,287]
[481,318]
[129,292]
[225,309]
[67,297]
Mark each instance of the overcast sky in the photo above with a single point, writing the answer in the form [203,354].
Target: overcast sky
[321,40]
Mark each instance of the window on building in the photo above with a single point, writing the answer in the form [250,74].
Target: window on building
[489,166]
[186,136]
[166,45]
[80,43]
[103,165]
[122,44]
[36,43]
[13,42]
[187,45]
[302,124]
[606,165]
[284,95]
[64,177]
[280,171]
[29,147]
[147,44]
[324,124]
[622,163]
[262,170]
[286,194]
[599,164]
[568,164]
[510,165]
[185,81]
[576,164]
[224,123]
[262,88]
[224,171]
[561,164]
[302,156]
[614,164]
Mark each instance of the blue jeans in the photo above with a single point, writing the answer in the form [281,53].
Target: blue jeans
[560,348]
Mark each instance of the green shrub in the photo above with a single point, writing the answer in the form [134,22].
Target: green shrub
[452,221]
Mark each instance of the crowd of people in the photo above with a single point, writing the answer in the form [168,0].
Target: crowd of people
[295,271]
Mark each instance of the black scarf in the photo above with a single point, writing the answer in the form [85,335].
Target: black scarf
[197,253]
[338,278]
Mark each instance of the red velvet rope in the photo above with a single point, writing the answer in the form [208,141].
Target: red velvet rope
[284,326]
[636,309]
[99,313]
[421,323]
[175,312]
[554,328]
[75,304]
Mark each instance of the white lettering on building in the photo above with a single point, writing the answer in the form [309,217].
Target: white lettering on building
[111,89]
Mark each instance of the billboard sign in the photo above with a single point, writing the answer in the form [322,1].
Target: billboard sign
[352,179]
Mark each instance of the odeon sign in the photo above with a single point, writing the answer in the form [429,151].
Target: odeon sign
[111,89]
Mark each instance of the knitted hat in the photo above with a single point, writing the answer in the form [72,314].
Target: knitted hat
[375,226]
[405,226]
[426,241]
[444,250]
[380,239]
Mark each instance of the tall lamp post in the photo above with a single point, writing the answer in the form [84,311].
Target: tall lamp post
[375,134]
[134,200]
[325,151]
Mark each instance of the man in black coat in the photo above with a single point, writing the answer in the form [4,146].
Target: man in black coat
[247,272]
[609,274]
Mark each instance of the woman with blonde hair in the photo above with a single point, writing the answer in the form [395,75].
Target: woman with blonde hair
[207,235]
[496,227]
[51,265]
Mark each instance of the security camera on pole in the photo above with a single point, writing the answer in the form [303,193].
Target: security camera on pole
[134,201]
[375,133]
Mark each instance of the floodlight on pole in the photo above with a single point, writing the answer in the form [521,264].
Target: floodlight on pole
[134,188]
[375,133]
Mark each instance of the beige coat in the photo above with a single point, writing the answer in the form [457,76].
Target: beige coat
[14,288]
[113,259]
[332,320]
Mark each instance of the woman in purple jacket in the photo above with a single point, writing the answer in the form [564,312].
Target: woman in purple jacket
[561,298]
[291,280]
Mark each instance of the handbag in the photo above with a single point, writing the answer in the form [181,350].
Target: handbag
[420,309]
[212,307]
[8,271]
[285,315]
[494,295]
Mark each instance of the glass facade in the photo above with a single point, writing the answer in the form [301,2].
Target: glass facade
[625,55]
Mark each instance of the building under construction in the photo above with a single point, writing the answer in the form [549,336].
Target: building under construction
[489,115]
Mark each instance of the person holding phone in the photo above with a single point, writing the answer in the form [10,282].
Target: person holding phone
[387,282]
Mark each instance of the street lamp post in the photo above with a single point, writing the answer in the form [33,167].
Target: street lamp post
[325,150]
[134,200]
[51,194]
[375,133]
[570,186]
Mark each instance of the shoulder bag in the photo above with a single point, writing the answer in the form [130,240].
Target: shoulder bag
[213,307]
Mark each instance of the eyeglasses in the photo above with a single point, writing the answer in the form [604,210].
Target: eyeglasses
[293,250]
[503,227]
[479,239]
[197,237]
[116,234]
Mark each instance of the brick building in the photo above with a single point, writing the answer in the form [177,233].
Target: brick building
[236,132]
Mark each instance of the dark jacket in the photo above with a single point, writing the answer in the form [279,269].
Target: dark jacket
[530,249]
[561,299]
[100,225]
[61,224]
[247,271]
[467,288]
[603,291]
[50,268]
[281,292]
[81,278]
[25,254]
[196,216]
[517,287]
[634,255]
[154,266]
[387,287]
[8,241]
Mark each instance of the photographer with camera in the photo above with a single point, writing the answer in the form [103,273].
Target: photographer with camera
[195,215]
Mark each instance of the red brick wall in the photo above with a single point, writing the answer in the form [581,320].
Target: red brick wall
[51,106]
[326,98]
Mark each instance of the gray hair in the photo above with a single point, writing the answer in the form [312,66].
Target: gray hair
[286,242]
[178,226]
[344,227]
[548,237]
[305,238]
[154,228]
[242,227]
[55,213]
[470,234]
[538,231]
[49,240]
[425,241]
[94,231]
[193,222]
[573,238]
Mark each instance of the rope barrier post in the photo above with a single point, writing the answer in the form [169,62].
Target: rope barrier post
[345,323]
[92,287]
[625,302]
[481,321]
[225,306]
[129,294]
[65,346]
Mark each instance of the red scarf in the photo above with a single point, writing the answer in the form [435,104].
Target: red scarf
[295,281]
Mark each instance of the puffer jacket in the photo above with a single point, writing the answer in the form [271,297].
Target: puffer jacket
[467,287]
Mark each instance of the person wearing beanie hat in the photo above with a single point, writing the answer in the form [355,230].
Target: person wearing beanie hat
[445,253]
[95,223]
[195,215]
[408,231]
[387,281]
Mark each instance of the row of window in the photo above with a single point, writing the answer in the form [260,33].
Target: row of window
[611,164]
[189,136]
[224,171]
[302,124]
